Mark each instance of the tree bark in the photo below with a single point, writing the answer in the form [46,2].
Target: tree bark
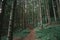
[58,8]
[11,22]
[47,12]
[54,11]
[40,14]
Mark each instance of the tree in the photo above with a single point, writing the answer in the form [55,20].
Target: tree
[47,12]
[58,8]
[11,21]
[54,11]
[40,14]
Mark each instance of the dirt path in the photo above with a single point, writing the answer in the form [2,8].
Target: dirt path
[30,36]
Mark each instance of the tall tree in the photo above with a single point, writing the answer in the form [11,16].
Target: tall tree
[25,14]
[11,21]
[47,12]
[40,13]
[1,17]
[58,7]
[54,10]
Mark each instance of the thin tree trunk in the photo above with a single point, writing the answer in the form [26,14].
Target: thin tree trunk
[58,8]
[25,14]
[11,22]
[33,14]
[47,13]
[44,17]
[40,13]
[1,17]
[54,11]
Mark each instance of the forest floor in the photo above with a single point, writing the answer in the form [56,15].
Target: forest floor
[36,33]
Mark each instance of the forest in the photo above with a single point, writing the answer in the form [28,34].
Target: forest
[29,19]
